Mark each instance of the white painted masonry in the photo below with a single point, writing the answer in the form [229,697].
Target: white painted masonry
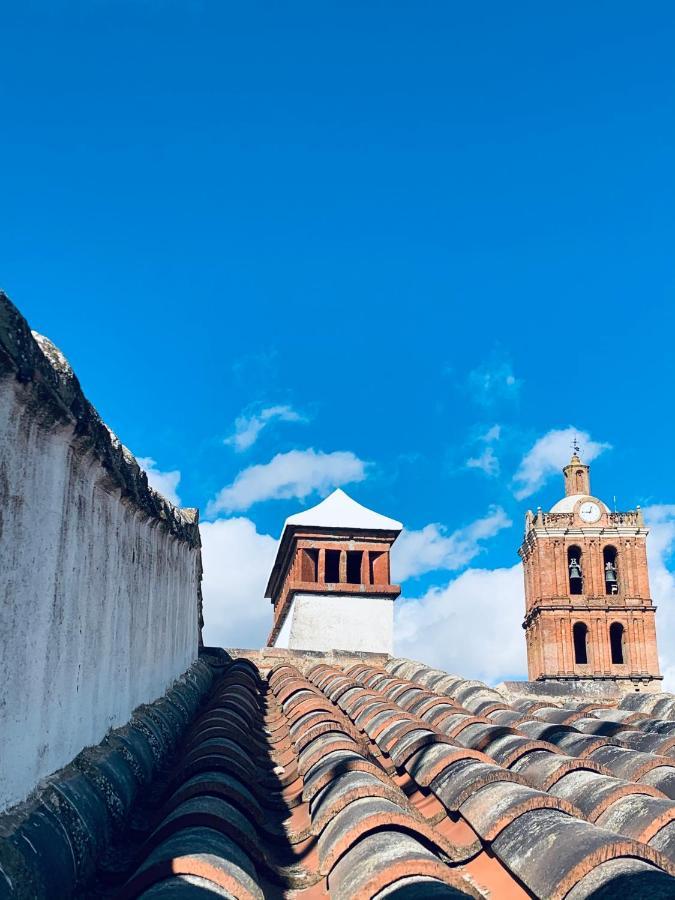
[284,635]
[98,599]
[339,622]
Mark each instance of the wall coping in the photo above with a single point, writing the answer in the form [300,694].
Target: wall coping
[37,363]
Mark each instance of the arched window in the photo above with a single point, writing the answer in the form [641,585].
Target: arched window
[611,574]
[616,637]
[576,580]
[580,481]
[580,635]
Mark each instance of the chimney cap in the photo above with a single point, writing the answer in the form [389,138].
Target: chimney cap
[338,510]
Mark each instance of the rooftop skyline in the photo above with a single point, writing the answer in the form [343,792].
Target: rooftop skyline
[411,252]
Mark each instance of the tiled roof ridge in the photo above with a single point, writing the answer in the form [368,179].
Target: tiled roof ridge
[355,780]
[350,798]
[635,808]
[250,807]
[478,793]
[620,725]
[50,845]
[218,812]
[36,363]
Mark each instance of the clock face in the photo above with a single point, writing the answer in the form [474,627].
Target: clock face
[589,511]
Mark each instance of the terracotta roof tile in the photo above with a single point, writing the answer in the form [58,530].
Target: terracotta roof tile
[466,776]
[428,764]
[389,860]
[362,782]
[491,809]
[622,878]
[199,852]
[526,847]
[544,770]
[592,793]
[641,817]
[661,777]
[629,764]
[546,766]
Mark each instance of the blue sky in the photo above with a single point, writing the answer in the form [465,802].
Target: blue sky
[378,230]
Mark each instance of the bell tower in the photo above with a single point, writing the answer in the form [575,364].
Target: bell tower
[588,611]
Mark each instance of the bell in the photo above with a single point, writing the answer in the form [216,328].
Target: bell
[575,570]
[610,573]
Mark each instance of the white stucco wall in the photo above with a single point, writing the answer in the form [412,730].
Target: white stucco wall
[98,600]
[339,622]
[284,635]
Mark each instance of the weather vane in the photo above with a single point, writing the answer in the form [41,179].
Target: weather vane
[575,446]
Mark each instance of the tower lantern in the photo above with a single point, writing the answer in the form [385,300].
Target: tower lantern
[331,585]
[588,611]
[577,476]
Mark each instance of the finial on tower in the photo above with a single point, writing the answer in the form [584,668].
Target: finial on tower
[575,446]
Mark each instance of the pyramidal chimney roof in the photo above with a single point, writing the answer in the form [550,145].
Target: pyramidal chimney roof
[338,510]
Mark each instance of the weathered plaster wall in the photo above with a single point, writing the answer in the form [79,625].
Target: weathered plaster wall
[284,635]
[100,575]
[339,622]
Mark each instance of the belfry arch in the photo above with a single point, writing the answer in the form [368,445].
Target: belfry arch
[617,639]
[580,637]
[610,569]
[575,574]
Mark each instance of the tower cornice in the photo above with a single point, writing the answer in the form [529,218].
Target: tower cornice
[594,605]
[587,531]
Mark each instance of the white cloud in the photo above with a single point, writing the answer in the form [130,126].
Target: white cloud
[164,483]
[660,546]
[492,434]
[247,427]
[297,473]
[471,626]
[493,381]
[548,455]
[431,548]
[486,461]
[237,561]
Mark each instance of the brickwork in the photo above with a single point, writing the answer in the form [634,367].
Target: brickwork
[588,610]
[577,477]
[307,568]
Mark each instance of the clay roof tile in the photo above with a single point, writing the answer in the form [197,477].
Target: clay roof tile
[550,851]
[390,859]
[358,781]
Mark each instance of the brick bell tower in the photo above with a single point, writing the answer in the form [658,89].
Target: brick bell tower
[588,612]
[331,585]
